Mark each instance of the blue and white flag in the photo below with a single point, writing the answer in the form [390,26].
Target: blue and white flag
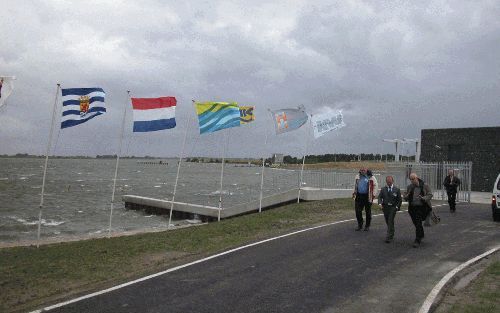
[81,104]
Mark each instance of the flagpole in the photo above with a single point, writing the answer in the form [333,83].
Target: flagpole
[262,175]
[116,167]
[222,174]
[45,166]
[303,161]
[177,177]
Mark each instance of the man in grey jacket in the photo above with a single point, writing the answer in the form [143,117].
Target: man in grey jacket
[419,195]
[390,200]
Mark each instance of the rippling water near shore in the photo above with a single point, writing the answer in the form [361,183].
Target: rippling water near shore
[78,193]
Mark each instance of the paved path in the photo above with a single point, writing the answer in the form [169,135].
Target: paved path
[331,269]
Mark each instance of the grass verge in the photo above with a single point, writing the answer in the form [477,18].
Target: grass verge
[482,295]
[31,277]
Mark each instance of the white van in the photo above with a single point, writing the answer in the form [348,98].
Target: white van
[495,200]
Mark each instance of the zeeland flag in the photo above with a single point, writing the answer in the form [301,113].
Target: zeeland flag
[6,87]
[214,116]
[152,114]
[286,120]
[81,105]
[246,114]
[326,122]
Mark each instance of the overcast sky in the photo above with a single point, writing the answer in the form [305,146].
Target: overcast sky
[393,67]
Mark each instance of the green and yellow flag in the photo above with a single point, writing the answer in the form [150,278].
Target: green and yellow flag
[214,116]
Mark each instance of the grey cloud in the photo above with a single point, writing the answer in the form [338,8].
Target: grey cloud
[392,67]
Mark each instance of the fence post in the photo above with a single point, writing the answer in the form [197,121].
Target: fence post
[470,179]
[442,175]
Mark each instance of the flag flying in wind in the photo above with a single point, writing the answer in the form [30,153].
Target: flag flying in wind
[151,114]
[246,114]
[326,122]
[214,116]
[6,87]
[81,105]
[286,120]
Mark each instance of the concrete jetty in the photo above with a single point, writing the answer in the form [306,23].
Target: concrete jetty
[188,210]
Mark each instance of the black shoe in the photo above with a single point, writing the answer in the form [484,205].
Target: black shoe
[388,240]
[416,243]
[358,228]
[366,228]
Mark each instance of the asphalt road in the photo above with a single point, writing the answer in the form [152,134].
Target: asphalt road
[330,269]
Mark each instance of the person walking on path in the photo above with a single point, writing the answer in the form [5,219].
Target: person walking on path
[451,183]
[419,195]
[365,187]
[390,200]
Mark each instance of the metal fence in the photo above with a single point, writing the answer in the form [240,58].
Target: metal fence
[432,173]
[278,181]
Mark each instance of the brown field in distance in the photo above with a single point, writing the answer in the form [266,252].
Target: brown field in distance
[377,166]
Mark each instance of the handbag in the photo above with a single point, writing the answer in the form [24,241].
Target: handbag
[435,218]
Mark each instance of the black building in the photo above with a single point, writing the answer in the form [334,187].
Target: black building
[479,145]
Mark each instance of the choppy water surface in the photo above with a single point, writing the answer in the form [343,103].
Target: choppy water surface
[78,193]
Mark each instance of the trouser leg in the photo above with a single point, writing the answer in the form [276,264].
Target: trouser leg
[417,216]
[368,209]
[454,199]
[386,215]
[391,214]
[428,219]
[358,207]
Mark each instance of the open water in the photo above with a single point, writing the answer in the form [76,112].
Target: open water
[78,194]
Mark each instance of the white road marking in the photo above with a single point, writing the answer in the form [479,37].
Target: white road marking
[435,291]
[58,305]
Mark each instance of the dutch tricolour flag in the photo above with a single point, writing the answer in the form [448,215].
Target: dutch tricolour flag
[81,104]
[151,114]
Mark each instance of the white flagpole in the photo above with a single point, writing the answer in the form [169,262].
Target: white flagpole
[303,161]
[222,173]
[262,176]
[116,167]
[45,167]
[177,177]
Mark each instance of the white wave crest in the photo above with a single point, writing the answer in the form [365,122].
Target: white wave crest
[44,221]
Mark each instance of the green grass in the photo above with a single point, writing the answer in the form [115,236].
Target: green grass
[483,294]
[31,277]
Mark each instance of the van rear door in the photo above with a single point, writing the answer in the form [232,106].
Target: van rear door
[496,191]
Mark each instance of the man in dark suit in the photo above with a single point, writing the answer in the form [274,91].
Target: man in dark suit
[390,200]
[451,183]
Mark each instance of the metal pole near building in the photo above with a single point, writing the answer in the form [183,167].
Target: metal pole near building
[469,180]
[442,175]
